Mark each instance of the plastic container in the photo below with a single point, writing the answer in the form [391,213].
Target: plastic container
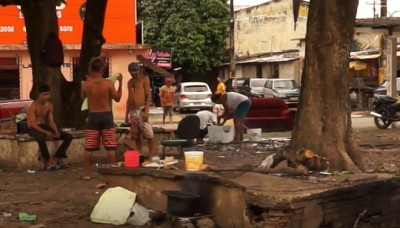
[220,134]
[132,159]
[254,134]
[194,160]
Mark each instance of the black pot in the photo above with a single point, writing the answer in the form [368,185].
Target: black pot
[142,158]
[181,203]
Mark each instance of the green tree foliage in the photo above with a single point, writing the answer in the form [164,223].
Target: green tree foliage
[196,31]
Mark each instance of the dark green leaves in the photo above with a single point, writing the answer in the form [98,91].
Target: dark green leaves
[195,30]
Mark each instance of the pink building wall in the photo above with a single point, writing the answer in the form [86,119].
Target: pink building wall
[119,60]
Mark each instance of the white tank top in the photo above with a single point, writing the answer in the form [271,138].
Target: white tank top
[234,99]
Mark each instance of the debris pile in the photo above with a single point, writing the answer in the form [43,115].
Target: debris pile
[260,217]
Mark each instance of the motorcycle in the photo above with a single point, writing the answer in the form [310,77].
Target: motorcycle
[386,109]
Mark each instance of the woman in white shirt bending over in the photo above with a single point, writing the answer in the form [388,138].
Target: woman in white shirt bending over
[240,104]
[206,117]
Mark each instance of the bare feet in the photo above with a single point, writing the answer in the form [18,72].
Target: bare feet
[86,177]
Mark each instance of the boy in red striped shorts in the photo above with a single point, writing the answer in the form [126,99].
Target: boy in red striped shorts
[100,121]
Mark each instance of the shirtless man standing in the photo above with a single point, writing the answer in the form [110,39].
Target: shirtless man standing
[137,107]
[38,111]
[100,121]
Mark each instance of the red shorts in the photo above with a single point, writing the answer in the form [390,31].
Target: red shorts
[100,124]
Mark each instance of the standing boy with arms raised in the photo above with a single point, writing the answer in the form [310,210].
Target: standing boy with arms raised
[100,122]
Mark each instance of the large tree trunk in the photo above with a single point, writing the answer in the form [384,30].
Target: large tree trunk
[323,122]
[40,19]
[92,41]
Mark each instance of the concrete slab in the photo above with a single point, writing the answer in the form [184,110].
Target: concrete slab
[244,199]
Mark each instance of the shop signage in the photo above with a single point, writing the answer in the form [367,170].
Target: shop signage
[161,57]
[119,24]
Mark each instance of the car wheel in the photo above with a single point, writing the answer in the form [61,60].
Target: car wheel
[179,109]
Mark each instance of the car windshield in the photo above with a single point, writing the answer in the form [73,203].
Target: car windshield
[257,82]
[238,82]
[195,88]
[285,84]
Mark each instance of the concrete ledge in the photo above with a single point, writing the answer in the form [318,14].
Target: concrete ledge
[22,151]
[304,204]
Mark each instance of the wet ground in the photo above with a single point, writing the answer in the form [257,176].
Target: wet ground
[60,199]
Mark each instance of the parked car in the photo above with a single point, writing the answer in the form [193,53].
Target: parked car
[231,85]
[193,95]
[382,89]
[250,87]
[286,89]
[14,106]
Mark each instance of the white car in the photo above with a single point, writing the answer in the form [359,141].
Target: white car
[193,95]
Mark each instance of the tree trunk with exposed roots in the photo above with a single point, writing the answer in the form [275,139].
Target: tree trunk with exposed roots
[41,19]
[323,122]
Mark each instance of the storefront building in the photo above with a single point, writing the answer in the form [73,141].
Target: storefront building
[120,49]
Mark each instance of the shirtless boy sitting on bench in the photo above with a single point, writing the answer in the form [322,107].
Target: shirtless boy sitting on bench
[38,111]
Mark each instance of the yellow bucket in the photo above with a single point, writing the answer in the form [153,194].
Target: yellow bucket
[194,160]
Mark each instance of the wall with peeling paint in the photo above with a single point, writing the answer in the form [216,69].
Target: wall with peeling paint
[268,27]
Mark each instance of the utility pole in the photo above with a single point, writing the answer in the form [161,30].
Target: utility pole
[232,64]
[383,8]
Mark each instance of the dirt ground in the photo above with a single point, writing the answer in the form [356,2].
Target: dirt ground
[60,199]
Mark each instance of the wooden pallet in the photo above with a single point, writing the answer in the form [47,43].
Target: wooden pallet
[9,128]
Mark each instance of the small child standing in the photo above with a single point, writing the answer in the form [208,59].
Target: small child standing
[167,99]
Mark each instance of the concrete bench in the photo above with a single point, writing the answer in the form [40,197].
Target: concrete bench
[22,151]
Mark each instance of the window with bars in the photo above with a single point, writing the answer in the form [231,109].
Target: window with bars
[9,79]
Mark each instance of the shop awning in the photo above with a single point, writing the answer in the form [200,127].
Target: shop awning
[152,66]
[374,56]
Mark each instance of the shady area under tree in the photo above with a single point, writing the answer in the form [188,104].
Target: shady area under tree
[40,20]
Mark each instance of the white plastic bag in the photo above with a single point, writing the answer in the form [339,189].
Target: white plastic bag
[267,162]
[140,217]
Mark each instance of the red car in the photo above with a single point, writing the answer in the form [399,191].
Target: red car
[13,106]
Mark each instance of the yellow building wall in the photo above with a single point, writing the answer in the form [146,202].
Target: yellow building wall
[268,27]
[119,60]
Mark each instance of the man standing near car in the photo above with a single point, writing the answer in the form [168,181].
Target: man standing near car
[220,86]
[167,99]
[137,107]
[221,89]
